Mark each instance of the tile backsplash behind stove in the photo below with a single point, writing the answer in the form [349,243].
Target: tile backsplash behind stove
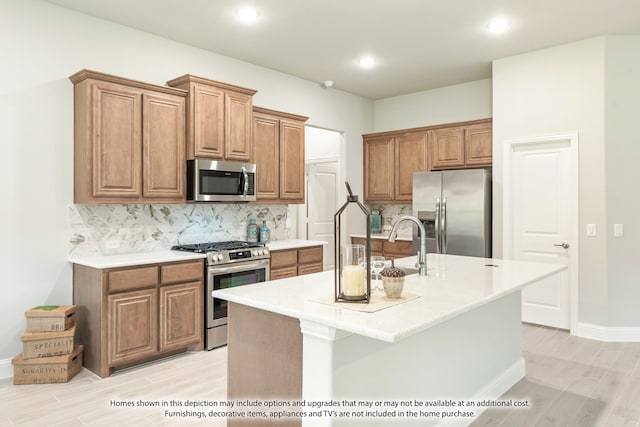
[115,229]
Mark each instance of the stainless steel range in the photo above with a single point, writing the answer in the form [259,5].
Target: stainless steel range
[229,264]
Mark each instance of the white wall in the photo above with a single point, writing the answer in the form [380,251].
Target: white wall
[457,103]
[42,45]
[589,87]
[622,152]
[321,145]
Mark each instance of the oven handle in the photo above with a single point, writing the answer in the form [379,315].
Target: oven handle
[243,266]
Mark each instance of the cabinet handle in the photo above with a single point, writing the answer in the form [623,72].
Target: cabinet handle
[563,245]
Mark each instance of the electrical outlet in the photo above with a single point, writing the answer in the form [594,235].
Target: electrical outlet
[112,244]
[618,230]
[591,229]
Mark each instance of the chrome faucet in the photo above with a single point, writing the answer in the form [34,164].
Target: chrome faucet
[422,253]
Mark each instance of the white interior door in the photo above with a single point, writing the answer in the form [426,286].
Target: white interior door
[541,205]
[322,181]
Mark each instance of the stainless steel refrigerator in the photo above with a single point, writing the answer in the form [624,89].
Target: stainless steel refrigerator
[455,208]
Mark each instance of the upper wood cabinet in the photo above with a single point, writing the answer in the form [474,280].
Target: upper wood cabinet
[218,118]
[410,157]
[391,158]
[278,152]
[389,163]
[129,140]
[478,143]
[465,146]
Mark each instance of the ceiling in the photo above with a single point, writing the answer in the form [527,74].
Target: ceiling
[418,44]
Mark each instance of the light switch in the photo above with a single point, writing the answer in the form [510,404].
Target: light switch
[591,229]
[618,230]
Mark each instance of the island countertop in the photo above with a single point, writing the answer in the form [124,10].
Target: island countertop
[454,285]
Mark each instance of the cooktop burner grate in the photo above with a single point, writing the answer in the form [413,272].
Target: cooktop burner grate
[216,246]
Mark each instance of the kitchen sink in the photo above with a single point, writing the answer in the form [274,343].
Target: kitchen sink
[408,270]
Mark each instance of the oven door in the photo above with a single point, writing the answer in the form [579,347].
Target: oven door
[230,276]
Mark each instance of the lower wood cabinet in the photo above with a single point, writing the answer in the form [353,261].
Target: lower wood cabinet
[133,314]
[295,262]
[387,249]
[132,329]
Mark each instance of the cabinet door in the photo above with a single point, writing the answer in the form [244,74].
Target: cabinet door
[378,170]
[117,141]
[163,145]
[447,148]
[132,326]
[411,156]
[292,161]
[479,145]
[181,320]
[266,155]
[207,122]
[237,136]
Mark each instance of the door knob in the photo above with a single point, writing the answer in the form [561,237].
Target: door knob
[563,245]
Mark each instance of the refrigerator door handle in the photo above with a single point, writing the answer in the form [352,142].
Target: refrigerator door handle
[437,225]
[443,229]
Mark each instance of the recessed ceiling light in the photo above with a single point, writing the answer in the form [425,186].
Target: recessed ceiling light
[248,15]
[499,25]
[367,61]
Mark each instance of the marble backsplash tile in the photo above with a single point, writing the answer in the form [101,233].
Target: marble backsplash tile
[114,229]
[389,215]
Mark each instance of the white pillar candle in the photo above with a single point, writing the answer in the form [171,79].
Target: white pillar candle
[353,280]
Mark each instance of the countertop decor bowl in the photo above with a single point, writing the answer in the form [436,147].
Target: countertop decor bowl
[393,286]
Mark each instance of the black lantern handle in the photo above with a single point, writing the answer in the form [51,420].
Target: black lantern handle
[350,197]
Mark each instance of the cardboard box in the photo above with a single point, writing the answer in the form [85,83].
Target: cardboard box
[47,370]
[47,344]
[50,318]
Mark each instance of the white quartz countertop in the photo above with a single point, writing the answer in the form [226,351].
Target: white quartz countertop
[125,260]
[278,245]
[383,236]
[454,285]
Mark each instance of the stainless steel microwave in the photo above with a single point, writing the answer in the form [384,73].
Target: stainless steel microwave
[220,181]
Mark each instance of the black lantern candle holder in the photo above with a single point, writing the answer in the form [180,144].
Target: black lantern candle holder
[352,262]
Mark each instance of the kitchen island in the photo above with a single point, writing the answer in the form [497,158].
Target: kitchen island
[457,337]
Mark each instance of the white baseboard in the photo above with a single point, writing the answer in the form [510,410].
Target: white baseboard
[6,370]
[607,333]
[492,391]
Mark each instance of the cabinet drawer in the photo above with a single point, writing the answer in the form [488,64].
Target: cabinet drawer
[281,273]
[133,278]
[284,258]
[309,268]
[181,272]
[310,255]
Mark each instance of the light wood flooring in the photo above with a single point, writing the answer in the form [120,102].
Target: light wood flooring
[570,382]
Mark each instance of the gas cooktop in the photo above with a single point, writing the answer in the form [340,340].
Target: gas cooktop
[234,251]
[203,248]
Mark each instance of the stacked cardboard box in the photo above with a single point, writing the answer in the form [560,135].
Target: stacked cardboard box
[49,352]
